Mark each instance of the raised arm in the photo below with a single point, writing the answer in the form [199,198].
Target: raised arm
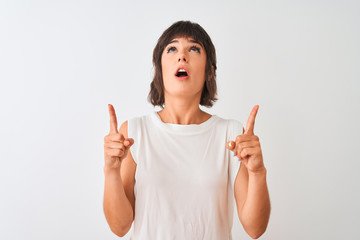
[250,188]
[119,170]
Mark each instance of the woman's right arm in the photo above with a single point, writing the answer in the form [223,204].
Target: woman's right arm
[119,171]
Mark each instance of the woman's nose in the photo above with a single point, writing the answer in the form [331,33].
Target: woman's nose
[182,57]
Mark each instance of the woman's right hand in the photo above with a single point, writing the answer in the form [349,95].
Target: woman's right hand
[116,146]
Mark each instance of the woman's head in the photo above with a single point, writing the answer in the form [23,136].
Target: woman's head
[179,31]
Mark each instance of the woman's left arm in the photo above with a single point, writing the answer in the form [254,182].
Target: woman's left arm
[251,192]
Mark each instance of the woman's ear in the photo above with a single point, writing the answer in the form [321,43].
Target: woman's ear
[212,72]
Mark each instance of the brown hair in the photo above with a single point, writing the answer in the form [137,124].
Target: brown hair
[184,29]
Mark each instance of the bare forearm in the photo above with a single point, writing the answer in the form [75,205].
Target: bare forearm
[256,210]
[117,208]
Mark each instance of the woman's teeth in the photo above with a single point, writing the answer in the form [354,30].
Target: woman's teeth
[181,72]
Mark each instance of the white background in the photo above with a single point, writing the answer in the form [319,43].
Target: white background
[62,62]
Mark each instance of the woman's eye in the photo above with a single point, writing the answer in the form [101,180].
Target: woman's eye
[196,49]
[171,49]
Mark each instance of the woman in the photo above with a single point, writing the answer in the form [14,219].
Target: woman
[180,158]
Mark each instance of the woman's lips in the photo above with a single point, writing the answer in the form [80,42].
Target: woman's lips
[182,73]
[182,77]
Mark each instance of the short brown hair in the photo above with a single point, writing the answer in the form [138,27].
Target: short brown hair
[184,29]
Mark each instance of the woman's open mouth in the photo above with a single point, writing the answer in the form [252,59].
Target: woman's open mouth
[182,74]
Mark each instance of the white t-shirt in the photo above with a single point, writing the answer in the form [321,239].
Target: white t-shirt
[184,177]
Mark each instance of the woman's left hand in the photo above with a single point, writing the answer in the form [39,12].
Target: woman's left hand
[247,146]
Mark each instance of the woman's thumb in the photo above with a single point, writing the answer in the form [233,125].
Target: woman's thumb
[128,142]
[230,145]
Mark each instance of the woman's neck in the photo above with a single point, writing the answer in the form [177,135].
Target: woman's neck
[184,113]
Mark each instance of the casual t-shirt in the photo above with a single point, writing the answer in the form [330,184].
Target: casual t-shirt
[184,177]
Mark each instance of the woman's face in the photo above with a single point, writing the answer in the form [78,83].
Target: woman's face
[183,64]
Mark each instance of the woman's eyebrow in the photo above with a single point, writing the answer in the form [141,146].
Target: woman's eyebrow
[192,41]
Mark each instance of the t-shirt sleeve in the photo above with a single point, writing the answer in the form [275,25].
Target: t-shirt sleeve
[134,134]
[236,128]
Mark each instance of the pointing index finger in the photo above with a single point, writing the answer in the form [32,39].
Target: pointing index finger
[113,120]
[251,120]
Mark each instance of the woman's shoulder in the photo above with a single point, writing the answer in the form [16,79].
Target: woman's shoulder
[228,121]
[232,125]
[141,117]
[141,121]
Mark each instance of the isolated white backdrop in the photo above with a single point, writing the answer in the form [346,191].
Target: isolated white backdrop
[62,62]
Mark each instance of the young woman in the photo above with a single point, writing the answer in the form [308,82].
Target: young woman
[177,173]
